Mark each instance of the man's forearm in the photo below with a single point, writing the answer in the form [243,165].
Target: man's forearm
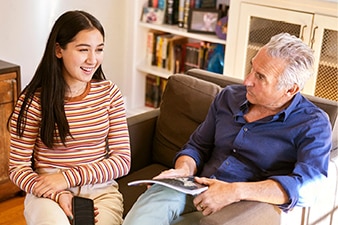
[187,164]
[269,191]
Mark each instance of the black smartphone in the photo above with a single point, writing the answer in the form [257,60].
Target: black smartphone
[83,211]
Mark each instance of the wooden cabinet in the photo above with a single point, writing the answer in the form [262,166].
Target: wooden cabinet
[9,90]
[316,25]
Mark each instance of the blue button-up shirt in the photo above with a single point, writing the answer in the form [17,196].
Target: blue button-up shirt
[291,147]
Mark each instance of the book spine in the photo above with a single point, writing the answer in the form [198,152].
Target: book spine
[192,4]
[172,12]
[150,47]
[153,91]
[192,56]
[159,51]
[161,4]
[198,4]
[186,13]
[181,13]
[164,55]
[208,4]
[155,3]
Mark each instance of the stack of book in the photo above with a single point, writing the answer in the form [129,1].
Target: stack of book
[177,54]
[165,50]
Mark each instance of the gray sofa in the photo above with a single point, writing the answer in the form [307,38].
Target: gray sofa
[157,135]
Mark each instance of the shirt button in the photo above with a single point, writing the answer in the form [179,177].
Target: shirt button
[245,129]
[234,150]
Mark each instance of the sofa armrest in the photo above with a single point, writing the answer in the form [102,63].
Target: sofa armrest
[245,212]
[141,133]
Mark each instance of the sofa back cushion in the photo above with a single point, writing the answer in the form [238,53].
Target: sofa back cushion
[185,103]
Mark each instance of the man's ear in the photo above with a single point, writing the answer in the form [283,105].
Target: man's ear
[293,90]
[58,52]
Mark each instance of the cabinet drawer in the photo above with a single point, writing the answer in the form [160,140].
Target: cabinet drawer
[7,90]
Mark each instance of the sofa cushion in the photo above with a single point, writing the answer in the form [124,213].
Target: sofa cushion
[185,103]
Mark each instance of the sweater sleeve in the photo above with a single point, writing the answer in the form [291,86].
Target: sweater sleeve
[21,148]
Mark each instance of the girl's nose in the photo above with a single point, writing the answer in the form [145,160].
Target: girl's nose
[91,58]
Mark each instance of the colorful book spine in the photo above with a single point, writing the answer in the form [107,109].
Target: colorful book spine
[181,13]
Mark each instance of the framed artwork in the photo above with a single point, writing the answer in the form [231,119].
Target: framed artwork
[152,15]
[203,20]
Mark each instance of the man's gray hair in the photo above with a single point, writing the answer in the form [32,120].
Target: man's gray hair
[298,56]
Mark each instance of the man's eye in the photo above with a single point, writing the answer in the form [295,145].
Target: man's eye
[100,50]
[83,50]
[259,76]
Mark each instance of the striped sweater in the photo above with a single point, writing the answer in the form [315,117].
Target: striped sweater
[94,117]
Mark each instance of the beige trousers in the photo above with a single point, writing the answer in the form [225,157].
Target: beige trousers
[106,198]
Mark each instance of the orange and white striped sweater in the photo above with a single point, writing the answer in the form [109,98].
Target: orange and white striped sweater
[97,114]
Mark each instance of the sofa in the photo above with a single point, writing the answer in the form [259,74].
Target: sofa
[156,136]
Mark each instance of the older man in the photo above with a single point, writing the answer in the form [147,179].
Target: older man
[261,141]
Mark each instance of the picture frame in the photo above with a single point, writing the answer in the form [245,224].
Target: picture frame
[203,20]
[152,15]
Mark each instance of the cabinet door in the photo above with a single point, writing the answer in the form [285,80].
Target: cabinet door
[324,42]
[258,24]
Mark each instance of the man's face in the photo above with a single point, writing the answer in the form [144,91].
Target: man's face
[262,81]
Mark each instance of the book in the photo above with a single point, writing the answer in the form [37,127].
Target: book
[180,18]
[175,55]
[172,12]
[186,185]
[152,37]
[166,39]
[153,91]
[186,13]
[192,54]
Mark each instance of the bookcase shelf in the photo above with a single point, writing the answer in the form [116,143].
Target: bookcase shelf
[174,29]
[245,16]
[154,70]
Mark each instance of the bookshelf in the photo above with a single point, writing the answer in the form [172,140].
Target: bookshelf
[240,47]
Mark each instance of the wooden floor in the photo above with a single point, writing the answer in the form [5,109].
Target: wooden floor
[11,212]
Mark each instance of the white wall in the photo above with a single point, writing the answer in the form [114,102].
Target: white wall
[25,26]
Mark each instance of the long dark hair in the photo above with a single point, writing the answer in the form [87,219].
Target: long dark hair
[49,79]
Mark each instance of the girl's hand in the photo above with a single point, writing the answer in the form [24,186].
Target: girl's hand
[48,184]
[65,202]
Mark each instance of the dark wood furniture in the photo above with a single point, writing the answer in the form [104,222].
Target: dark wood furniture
[10,87]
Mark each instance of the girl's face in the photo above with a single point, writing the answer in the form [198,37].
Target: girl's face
[81,57]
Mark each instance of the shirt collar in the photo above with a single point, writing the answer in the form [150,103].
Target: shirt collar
[280,116]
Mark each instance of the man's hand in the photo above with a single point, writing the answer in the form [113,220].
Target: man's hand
[48,184]
[221,194]
[218,195]
[184,166]
[171,173]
